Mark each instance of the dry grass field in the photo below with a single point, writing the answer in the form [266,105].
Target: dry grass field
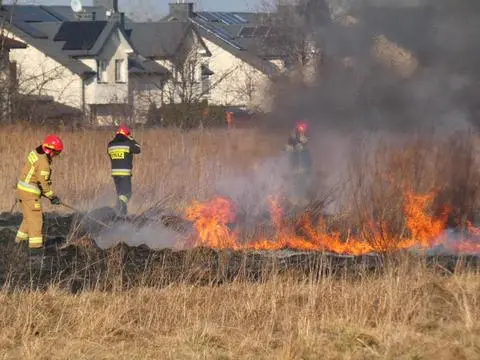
[172,162]
[407,311]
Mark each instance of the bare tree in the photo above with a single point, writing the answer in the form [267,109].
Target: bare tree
[191,80]
[293,29]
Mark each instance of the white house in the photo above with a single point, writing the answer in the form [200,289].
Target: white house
[177,47]
[109,67]
[241,61]
[84,62]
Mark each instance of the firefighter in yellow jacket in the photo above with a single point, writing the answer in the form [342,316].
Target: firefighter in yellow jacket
[34,183]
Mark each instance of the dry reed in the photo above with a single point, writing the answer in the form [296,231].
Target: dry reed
[172,162]
[407,312]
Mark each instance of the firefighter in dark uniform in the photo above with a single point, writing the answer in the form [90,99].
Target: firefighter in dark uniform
[300,163]
[121,150]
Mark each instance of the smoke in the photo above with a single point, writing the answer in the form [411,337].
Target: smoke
[388,69]
[398,66]
[251,190]
[155,236]
[450,244]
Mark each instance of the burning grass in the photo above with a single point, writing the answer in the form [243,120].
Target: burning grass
[402,193]
[423,231]
[407,195]
[204,303]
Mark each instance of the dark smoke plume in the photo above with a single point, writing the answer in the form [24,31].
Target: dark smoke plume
[355,90]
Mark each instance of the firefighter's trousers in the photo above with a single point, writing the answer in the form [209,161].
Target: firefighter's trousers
[31,227]
[123,186]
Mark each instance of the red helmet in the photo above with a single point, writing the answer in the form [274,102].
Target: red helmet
[301,126]
[52,143]
[124,130]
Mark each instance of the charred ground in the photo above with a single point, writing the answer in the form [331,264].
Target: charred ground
[80,265]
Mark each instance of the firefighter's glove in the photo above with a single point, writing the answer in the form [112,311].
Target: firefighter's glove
[55,200]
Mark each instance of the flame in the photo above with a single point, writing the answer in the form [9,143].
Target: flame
[276,212]
[424,230]
[211,221]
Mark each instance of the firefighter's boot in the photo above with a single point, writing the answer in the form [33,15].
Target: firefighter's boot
[122,207]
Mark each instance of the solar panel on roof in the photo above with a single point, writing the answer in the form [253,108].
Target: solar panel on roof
[30,30]
[202,17]
[209,16]
[220,17]
[232,18]
[79,35]
[247,31]
[225,18]
[219,33]
[240,18]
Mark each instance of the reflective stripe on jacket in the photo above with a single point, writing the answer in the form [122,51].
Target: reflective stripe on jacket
[35,175]
[121,150]
[121,172]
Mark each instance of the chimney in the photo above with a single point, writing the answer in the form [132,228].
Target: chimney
[181,11]
[122,21]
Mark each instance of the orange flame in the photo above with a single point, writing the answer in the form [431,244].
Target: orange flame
[211,220]
[425,229]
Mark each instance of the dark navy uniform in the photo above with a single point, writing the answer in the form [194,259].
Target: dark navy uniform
[121,150]
[300,159]
[301,166]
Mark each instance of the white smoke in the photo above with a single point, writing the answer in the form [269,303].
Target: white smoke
[155,236]
[450,243]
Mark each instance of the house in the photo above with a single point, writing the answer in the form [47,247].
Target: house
[109,67]
[241,63]
[80,60]
[177,47]
[7,75]
[250,50]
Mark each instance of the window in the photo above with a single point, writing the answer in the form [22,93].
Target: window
[13,75]
[119,72]
[206,74]
[192,67]
[175,73]
[205,84]
[102,71]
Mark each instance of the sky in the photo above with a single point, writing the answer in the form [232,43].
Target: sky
[160,7]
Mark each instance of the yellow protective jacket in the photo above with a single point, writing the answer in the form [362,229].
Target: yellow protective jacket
[35,175]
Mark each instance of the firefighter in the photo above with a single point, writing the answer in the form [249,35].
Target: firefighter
[35,182]
[229,119]
[297,147]
[300,161]
[121,150]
